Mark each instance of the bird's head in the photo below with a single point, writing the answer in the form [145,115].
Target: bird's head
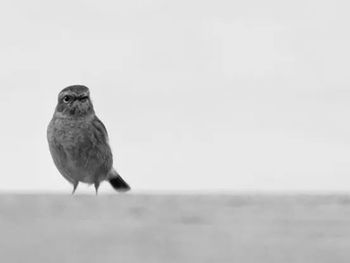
[74,101]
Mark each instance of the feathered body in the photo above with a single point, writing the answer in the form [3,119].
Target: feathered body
[78,141]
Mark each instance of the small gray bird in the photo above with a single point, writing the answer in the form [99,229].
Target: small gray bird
[78,141]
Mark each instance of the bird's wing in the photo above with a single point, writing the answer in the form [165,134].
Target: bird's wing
[100,155]
[101,129]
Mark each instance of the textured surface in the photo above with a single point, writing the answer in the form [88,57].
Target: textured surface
[174,228]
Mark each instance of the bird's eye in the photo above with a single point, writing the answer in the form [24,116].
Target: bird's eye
[83,99]
[66,99]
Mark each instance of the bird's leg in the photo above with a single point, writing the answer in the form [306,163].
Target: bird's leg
[97,184]
[75,185]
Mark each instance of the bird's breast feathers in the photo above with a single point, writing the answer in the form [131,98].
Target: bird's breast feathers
[80,147]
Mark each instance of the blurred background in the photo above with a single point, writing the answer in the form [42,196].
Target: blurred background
[196,95]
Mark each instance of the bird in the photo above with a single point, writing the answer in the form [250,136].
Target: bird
[78,142]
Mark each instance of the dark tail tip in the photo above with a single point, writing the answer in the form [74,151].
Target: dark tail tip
[119,184]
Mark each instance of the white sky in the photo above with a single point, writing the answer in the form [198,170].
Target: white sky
[196,95]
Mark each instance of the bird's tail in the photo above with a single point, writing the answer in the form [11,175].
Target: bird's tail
[118,182]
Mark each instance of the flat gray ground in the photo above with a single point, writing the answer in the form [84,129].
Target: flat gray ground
[174,228]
